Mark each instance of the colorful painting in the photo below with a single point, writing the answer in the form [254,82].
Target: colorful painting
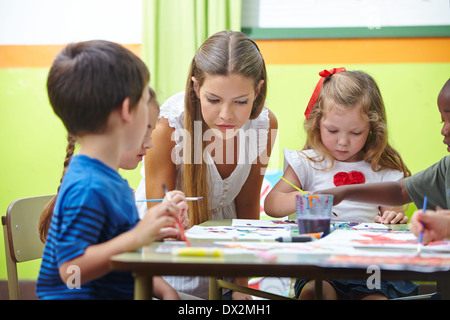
[263,223]
[265,250]
[391,239]
[237,233]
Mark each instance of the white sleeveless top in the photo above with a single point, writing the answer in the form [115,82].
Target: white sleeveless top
[316,176]
[222,191]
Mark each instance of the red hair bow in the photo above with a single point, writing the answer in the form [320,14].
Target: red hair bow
[323,74]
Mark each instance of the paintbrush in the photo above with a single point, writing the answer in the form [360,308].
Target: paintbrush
[293,185]
[419,245]
[183,235]
[159,200]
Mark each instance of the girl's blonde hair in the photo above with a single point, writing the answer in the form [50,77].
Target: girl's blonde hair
[47,213]
[224,53]
[355,89]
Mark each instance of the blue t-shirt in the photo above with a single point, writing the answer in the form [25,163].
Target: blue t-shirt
[94,205]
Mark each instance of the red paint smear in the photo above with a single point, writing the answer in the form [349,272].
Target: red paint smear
[416,260]
[381,239]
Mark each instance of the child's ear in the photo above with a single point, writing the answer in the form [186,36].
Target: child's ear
[124,110]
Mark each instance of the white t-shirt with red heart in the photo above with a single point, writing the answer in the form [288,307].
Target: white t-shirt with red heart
[321,175]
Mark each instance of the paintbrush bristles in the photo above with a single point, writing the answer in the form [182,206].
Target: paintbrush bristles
[419,249]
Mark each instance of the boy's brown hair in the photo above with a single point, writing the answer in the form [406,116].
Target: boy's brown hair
[47,213]
[88,80]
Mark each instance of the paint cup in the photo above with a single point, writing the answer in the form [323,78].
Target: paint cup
[314,213]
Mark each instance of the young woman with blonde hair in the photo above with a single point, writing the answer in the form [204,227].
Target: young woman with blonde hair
[214,139]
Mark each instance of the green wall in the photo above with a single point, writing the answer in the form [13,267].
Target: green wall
[409,92]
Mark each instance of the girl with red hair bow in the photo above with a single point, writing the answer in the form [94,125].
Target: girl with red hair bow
[346,143]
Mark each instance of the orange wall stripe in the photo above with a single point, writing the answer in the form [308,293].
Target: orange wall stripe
[374,50]
[284,52]
[38,56]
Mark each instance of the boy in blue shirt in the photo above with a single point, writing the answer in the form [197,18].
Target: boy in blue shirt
[99,89]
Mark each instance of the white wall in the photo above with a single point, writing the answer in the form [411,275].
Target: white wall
[344,13]
[39,22]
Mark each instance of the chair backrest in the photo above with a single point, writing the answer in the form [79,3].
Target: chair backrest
[22,242]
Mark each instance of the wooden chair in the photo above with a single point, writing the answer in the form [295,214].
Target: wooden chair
[22,242]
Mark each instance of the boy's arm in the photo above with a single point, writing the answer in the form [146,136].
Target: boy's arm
[383,193]
[95,261]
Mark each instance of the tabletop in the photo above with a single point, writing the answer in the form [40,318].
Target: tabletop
[149,261]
